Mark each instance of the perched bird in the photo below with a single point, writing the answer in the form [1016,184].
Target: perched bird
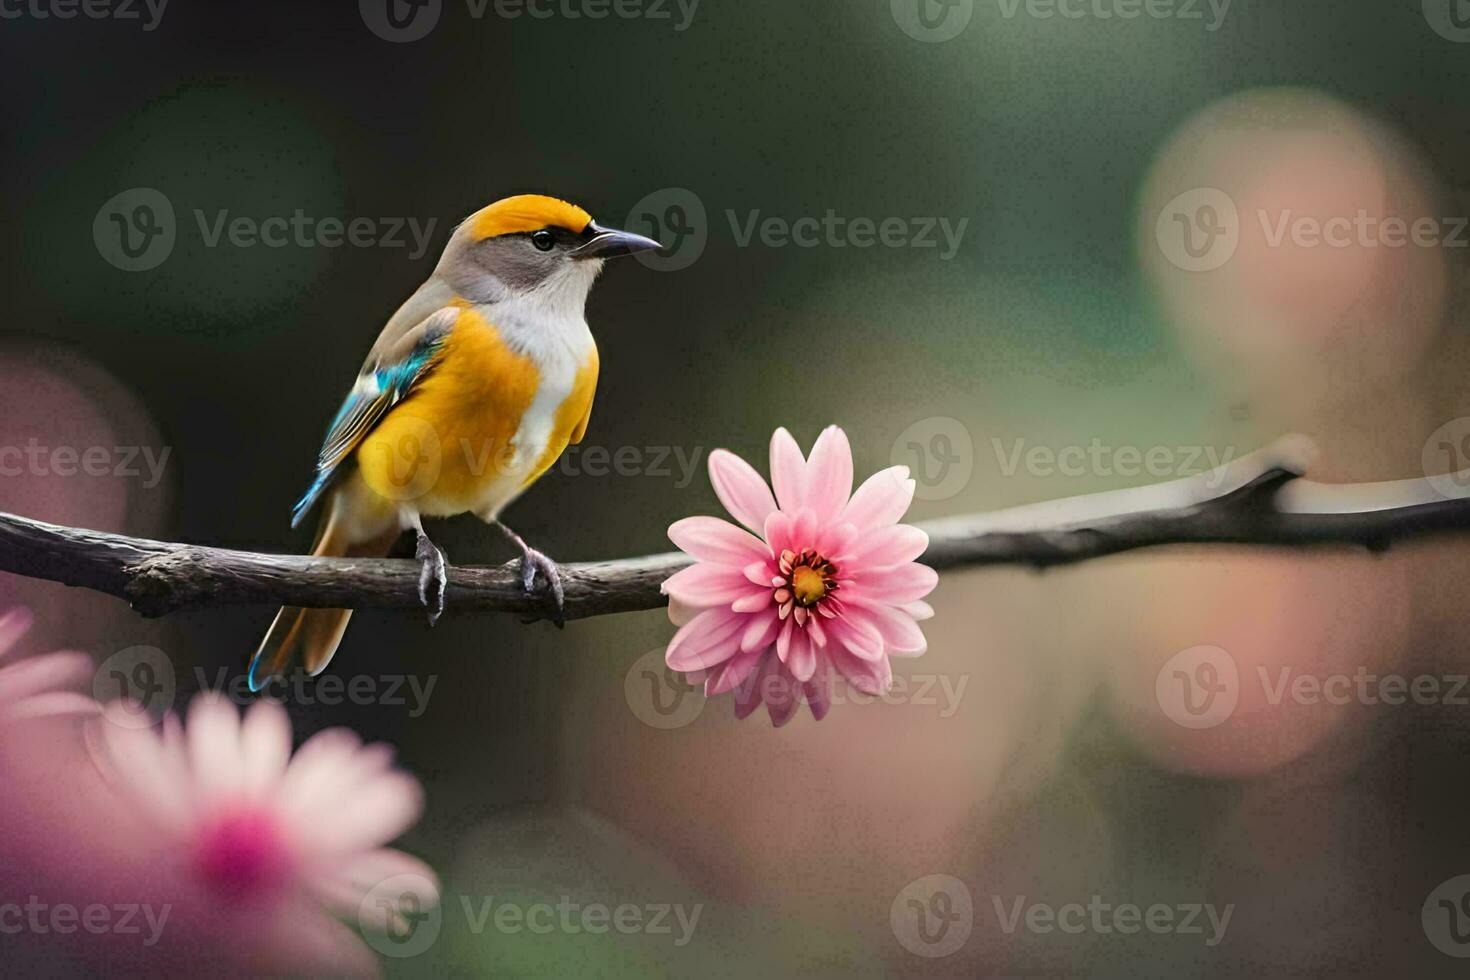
[473,389]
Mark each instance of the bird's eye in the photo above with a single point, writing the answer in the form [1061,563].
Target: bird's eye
[543,240]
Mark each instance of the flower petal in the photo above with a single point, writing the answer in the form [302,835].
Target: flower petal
[13,625]
[895,544]
[710,639]
[713,540]
[753,602]
[868,676]
[919,610]
[265,746]
[901,635]
[788,470]
[707,584]
[818,690]
[802,660]
[733,672]
[828,481]
[883,499]
[897,584]
[44,672]
[780,531]
[761,633]
[857,633]
[740,488]
[213,738]
[51,704]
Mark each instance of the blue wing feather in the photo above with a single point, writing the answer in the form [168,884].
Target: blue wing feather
[378,388]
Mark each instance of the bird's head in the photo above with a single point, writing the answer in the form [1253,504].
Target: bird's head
[531,245]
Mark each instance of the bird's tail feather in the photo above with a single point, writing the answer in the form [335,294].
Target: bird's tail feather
[311,636]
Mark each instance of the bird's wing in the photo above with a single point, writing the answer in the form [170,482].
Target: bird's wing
[387,377]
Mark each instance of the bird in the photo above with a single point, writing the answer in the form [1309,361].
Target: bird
[474,388]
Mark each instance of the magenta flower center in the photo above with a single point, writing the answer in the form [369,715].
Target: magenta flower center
[806,579]
[242,852]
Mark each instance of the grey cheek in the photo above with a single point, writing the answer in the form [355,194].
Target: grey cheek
[516,264]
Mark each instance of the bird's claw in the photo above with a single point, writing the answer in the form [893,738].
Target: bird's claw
[435,574]
[533,561]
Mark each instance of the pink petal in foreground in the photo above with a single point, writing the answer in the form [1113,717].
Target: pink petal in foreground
[52,704]
[741,489]
[13,625]
[44,672]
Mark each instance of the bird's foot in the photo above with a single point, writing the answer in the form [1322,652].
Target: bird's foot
[433,578]
[532,562]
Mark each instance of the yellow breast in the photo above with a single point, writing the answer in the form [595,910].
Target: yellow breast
[483,425]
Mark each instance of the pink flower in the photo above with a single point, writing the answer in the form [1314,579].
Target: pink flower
[38,686]
[827,582]
[254,827]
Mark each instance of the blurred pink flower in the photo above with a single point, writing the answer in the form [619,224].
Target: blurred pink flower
[829,584]
[37,686]
[258,827]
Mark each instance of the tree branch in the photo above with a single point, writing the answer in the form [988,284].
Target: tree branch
[1255,500]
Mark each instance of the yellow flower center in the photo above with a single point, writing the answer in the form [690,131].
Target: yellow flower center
[808,585]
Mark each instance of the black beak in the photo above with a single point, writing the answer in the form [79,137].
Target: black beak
[608,243]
